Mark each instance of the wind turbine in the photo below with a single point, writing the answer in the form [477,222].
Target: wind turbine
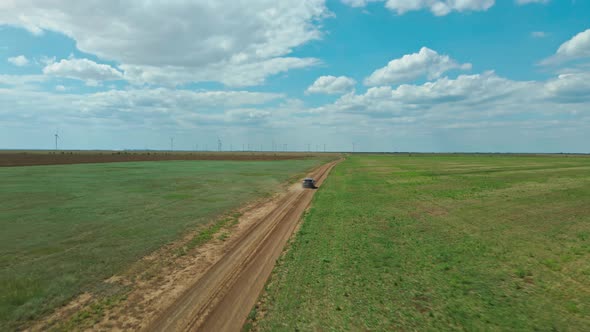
[218,144]
[56,138]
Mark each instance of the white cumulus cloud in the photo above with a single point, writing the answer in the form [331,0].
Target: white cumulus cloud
[465,91]
[412,66]
[19,61]
[575,48]
[232,74]
[331,85]
[437,7]
[356,3]
[569,88]
[250,116]
[84,70]
[150,108]
[23,82]
[198,37]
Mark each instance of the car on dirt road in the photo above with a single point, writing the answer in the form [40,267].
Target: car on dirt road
[309,183]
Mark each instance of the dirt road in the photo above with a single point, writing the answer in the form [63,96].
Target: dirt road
[222,298]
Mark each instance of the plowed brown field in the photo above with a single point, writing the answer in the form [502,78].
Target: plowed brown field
[32,158]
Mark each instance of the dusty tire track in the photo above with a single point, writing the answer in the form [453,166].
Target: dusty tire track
[222,297]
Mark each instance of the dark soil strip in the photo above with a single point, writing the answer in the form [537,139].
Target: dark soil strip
[75,157]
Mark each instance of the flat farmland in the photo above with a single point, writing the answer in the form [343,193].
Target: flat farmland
[425,243]
[67,228]
[43,157]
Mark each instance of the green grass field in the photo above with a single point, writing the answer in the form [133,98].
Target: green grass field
[422,243]
[64,229]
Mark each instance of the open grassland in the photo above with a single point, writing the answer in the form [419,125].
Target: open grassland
[64,229]
[476,243]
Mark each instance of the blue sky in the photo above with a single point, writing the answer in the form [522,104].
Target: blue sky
[387,75]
